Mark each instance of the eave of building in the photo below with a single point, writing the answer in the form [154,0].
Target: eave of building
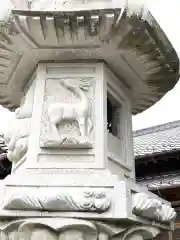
[157,141]
[157,154]
[165,180]
[130,42]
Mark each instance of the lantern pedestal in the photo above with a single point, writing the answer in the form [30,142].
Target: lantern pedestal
[75,85]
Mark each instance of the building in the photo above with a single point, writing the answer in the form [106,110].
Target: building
[157,159]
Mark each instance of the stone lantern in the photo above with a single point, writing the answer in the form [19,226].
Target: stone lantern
[74,72]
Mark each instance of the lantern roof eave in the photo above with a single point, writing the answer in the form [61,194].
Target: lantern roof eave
[127,39]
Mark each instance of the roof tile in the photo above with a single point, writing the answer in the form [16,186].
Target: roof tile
[158,139]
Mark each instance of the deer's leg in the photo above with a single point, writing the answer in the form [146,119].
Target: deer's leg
[89,126]
[55,118]
[82,127]
[54,128]
[12,142]
[54,131]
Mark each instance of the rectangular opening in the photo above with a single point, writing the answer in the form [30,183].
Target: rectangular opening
[113,116]
[115,139]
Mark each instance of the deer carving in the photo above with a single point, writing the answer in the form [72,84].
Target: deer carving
[79,112]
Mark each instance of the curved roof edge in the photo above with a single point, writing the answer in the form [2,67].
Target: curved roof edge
[156,51]
[133,35]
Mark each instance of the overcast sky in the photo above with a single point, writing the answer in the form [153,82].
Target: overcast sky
[167,109]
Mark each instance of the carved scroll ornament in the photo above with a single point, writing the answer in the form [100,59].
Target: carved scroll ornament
[82,201]
[152,208]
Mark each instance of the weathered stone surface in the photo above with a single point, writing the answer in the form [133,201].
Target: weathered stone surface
[127,38]
[54,229]
[61,66]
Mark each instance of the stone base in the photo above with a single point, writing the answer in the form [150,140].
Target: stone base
[67,229]
[79,205]
[88,195]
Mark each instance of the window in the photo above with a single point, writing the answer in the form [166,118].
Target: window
[113,117]
[119,125]
[116,138]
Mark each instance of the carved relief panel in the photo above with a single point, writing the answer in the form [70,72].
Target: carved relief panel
[67,119]
[16,137]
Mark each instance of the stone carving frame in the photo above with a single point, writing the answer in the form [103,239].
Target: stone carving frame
[61,157]
[71,113]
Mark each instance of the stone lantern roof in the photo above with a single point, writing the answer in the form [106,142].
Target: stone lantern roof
[126,38]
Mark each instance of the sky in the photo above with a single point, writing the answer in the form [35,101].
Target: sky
[167,13]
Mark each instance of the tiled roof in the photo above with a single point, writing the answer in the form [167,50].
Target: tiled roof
[158,139]
[165,180]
